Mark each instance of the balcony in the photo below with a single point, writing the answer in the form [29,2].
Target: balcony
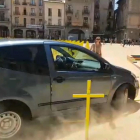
[40,14]
[96,29]
[68,23]
[49,24]
[32,14]
[97,17]
[85,12]
[86,25]
[69,11]
[4,19]
[16,13]
[109,18]
[97,6]
[16,2]
[109,28]
[3,7]
[32,4]
[25,13]
[40,4]
[18,25]
[24,3]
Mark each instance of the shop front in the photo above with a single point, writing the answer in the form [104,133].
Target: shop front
[54,32]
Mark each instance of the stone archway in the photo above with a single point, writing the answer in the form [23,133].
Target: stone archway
[18,33]
[30,34]
[77,34]
[4,31]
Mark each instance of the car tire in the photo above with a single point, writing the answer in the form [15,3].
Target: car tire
[10,124]
[120,98]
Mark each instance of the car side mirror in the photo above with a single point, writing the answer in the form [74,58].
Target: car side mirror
[106,66]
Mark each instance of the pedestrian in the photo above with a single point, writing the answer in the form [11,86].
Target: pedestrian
[133,42]
[129,42]
[115,40]
[111,41]
[97,46]
[124,42]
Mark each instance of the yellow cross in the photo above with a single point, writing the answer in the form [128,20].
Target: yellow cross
[88,96]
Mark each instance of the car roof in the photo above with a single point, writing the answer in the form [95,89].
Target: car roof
[11,42]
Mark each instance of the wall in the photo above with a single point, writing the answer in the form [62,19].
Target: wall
[104,13]
[78,5]
[55,6]
[28,9]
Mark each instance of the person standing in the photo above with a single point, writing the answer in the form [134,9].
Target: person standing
[124,42]
[111,41]
[96,47]
[115,40]
[133,42]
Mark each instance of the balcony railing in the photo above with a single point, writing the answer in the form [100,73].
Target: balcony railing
[40,4]
[109,18]
[25,13]
[18,25]
[4,19]
[68,23]
[85,12]
[16,13]
[40,14]
[86,25]
[24,3]
[17,2]
[32,14]
[3,7]
[49,23]
[33,4]
[96,17]
[69,11]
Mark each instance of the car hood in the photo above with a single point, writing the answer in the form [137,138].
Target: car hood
[120,70]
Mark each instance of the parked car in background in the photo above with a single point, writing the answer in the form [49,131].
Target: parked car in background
[39,77]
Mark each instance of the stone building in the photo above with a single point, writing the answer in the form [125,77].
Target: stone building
[103,17]
[128,19]
[79,18]
[54,19]
[5,18]
[27,18]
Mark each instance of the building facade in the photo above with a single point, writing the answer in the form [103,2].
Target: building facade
[128,19]
[79,18]
[54,19]
[103,17]
[27,18]
[5,18]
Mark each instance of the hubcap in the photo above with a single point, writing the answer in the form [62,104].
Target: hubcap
[10,124]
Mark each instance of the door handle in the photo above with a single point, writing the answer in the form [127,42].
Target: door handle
[59,79]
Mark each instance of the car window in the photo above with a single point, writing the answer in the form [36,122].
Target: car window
[24,58]
[67,59]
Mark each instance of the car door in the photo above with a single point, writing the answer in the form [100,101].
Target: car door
[25,76]
[69,81]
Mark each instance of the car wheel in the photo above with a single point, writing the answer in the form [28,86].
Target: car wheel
[10,124]
[121,97]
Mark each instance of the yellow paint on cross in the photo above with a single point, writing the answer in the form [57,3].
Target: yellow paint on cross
[88,96]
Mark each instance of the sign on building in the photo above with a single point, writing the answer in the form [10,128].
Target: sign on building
[34,26]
